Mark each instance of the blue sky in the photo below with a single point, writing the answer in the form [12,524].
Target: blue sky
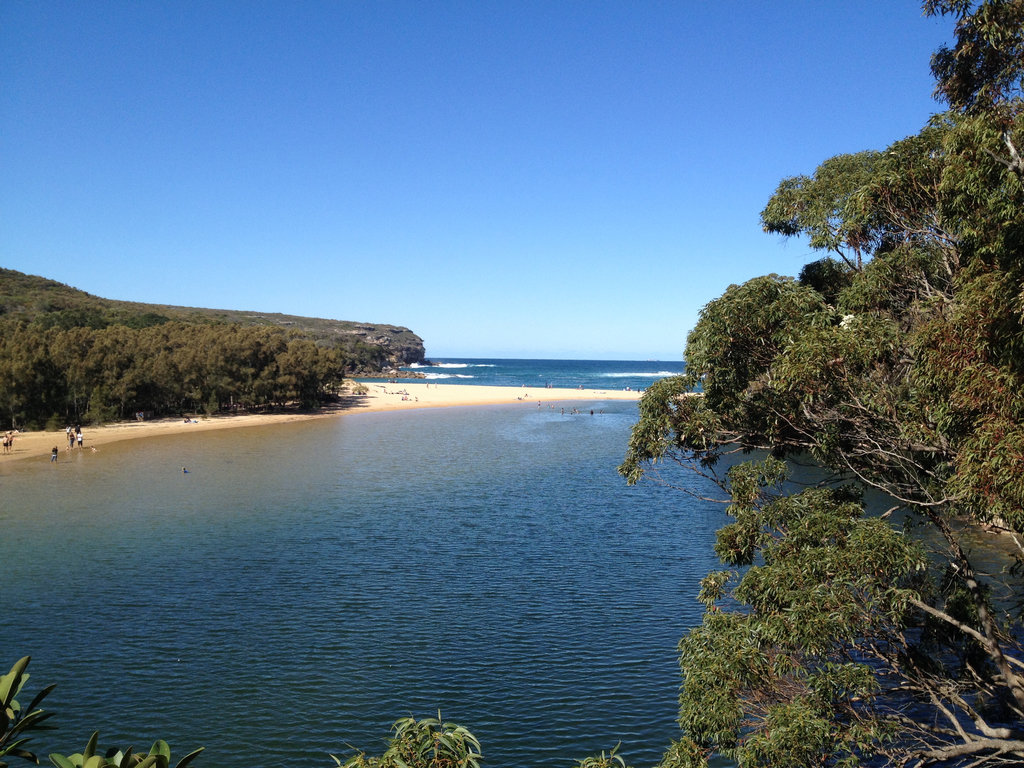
[508,179]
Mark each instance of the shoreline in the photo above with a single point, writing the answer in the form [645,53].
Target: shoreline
[406,394]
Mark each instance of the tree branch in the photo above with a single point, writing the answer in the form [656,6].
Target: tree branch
[997,746]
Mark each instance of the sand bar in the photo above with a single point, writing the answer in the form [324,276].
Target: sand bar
[381,397]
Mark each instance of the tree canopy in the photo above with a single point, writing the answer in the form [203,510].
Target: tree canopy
[57,376]
[896,363]
[68,357]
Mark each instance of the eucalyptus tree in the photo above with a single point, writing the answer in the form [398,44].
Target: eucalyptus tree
[896,363]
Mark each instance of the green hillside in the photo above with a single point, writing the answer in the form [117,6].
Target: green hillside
[49,304]
[67,357]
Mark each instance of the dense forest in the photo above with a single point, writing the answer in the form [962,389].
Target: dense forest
[838,634]
[69,357]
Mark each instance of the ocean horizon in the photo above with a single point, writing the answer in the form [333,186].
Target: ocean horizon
[636,375]
[487,562]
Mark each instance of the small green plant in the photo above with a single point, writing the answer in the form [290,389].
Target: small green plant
[610,760]
[16,721]
[159,756]
[426,743]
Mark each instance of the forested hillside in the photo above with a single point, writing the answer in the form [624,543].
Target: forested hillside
[68,356]
[834,637]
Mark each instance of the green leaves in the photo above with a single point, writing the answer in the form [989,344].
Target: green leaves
[609,760]
[669,415]
[826,207]
[897,365]
[159,756]
[984,69]
[773,680]
[426,743]
[17,721]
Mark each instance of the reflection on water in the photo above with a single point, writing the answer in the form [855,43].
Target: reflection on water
[304,585]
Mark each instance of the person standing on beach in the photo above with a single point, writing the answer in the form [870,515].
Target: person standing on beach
[53,454]
[78,435]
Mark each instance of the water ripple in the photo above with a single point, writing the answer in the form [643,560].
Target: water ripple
[303,587]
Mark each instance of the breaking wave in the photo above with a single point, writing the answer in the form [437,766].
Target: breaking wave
[641,374]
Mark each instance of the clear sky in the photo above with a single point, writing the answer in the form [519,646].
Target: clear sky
[507,179]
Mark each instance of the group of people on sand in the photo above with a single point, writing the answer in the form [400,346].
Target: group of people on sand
[74,435]
[9,441]
[403,392]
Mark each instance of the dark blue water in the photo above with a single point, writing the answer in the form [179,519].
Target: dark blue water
[588,374]
[307,584]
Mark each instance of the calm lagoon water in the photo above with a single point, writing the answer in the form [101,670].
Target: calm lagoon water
[305,585]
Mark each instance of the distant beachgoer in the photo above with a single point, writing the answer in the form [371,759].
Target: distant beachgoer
[53,453]
[7,443]
[184,471]
[78,437]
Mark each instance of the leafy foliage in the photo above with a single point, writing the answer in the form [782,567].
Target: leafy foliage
[82,374]
[159,756]
[898,365]
[825,207]
[16,721]
[426,743]
[986,65]
[610,760]
[823,583]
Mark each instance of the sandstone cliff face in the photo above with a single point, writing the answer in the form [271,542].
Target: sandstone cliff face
[403,347]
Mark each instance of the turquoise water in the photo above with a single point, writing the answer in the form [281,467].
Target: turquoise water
[305,585]
[589,374]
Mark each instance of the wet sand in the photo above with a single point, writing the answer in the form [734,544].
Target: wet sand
[380,397]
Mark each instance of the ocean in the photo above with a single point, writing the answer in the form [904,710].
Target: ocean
[305,585]
[588,374]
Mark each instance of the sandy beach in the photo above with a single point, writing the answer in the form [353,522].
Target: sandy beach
[380,397]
